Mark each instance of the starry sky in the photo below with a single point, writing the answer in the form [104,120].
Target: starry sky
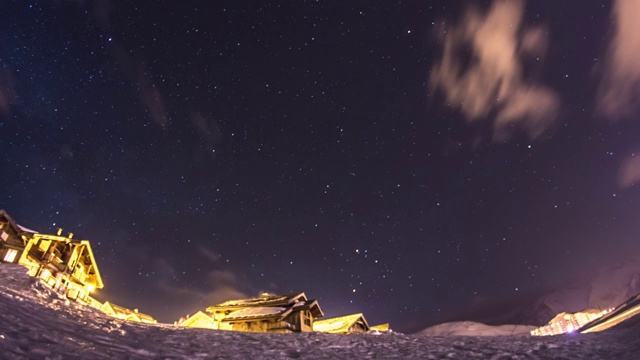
[411,160]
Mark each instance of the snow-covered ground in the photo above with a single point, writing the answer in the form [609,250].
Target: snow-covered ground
[37,324]
[470,328]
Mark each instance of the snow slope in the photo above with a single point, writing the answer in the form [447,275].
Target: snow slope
[37,324]
[470,328]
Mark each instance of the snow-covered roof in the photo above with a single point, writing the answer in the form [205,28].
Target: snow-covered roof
[265,300]
[121,311]
[338,324]
[26,229]
[256,312]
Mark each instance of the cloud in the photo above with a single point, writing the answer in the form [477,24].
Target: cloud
[152,99]
[619,91]
[481,71]
[209,254]
[220,285]
[629,172]
[8,95]
[135,71]
[209,132]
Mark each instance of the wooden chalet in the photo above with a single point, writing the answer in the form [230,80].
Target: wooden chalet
[267,313]
[123,313]
[348,324]
[63,263]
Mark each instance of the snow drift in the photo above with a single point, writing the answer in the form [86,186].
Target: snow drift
[470,328]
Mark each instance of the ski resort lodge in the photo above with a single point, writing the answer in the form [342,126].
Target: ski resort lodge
[63,263]
[267,313]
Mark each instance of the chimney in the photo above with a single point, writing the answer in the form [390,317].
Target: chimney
[70,236]
[59,231]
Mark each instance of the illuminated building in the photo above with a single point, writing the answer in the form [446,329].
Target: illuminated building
[380,328]
[63,263]
[566,322]
[348,324]
[126,314]
[198,320]
[615,316]
[267,313]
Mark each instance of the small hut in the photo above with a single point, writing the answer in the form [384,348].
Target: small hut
[380,328]
[197,320]
[348,324]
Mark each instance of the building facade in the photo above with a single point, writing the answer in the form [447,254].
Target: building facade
[63,263]
[567,322]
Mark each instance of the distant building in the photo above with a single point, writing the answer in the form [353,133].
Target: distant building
[567,322]
[126,314]
[380,327]
[614,316]
[348,324]
[267,313]
[63,263]
[198,320]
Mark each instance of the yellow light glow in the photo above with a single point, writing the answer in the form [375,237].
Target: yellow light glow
[90,288]
[46,274]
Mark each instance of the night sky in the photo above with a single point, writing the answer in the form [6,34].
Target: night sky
[411,160]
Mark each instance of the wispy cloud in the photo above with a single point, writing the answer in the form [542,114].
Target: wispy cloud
[209,132]
[134,69]
[481,71]
[209,254]
[215,285]
[131,64]
[619,91]
[221,285]
[629,173]
[8,95]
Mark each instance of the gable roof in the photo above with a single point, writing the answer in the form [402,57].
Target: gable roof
[124,313]
[266,306]
[380,327]
[264,300]
[92,258]
[99,284]
[195,319]
[340,324]
[258,312]
[312,306]
[13,224]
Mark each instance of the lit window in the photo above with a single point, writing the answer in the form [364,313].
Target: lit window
[10,256]
[46,274]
